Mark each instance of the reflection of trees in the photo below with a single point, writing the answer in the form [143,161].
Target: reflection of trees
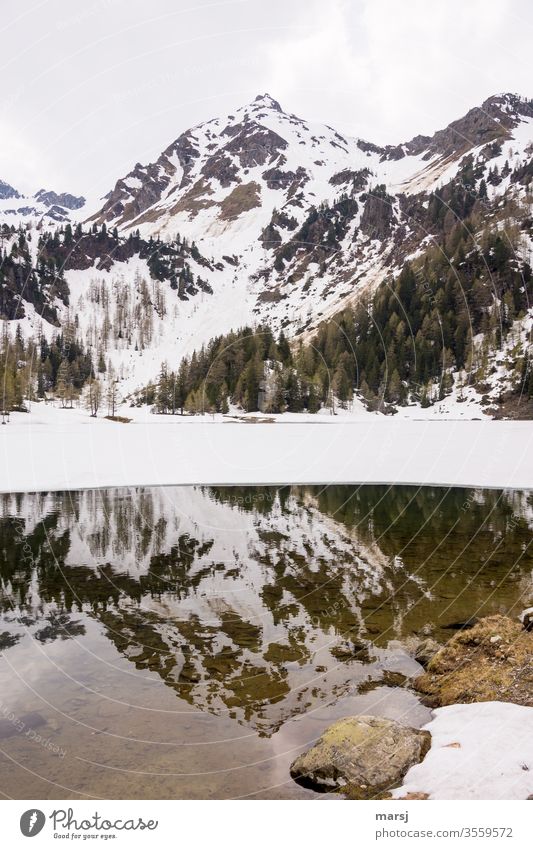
[277,627]
[24,555]
[59,626]
[256,499]
[395,515]
[467,547]
[8,640]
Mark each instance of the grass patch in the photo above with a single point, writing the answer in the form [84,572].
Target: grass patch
[121,419]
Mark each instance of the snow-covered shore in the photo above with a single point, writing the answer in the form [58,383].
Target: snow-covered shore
[478,751]
[54,449]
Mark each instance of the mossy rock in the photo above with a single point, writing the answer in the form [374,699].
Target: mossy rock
[363,755]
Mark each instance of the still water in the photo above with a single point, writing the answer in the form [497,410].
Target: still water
[189,642]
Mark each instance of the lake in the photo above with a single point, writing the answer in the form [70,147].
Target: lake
[189,642]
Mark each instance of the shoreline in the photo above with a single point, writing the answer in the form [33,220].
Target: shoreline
[476,744]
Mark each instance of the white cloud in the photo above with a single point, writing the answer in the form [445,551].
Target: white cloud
[22,163]
[388,70]
[86,94]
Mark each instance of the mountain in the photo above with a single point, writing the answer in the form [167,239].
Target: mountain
[263,217]
[267,189]
[7,191]
[43,207]
[261,158]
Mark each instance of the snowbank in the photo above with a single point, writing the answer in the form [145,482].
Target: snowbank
[54,449]
[478,751]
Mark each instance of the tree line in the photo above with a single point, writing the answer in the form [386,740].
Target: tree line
[444,314]
[61,368]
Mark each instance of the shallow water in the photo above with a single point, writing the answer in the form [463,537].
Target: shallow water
[189,642]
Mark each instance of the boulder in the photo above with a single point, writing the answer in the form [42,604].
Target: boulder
[425,650]
[526,618]
[366,755]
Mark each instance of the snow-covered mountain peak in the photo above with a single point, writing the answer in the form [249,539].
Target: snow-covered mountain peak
[45,206]
[508,104]
[280,220]
[227,176]
[265,101]
[217,173]
[7,191]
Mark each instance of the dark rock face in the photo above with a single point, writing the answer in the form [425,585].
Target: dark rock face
[21,210]
[145,185]
[477,127]
[57,213]
[276,178]
[368,147]
[290,182]
[378,214]
[507,108]
[255,145]
[482,124]
[127,201]
[268,101]
[280,221]
[355,180]
[367,754]
[7,191]
[132,203]
[221,167]
[64,199]
[186,152]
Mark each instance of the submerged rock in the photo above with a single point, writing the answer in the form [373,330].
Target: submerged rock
[461,626]
[352,650]
[421,649]
[364,754]
[426,650]
[391,678]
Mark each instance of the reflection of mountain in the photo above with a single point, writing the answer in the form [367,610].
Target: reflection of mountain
[261,601]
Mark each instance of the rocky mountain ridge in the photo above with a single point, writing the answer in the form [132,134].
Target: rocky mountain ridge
[284,222]
[308,215]
[43,208]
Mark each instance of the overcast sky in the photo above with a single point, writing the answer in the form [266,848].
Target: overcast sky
[88,89]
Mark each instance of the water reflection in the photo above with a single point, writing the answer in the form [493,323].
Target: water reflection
[258,603]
